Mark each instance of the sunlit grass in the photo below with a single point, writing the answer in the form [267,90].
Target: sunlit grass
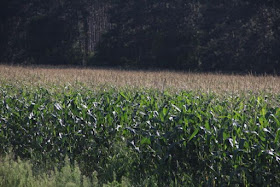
[160,80]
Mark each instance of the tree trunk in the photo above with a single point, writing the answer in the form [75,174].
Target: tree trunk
[86,39]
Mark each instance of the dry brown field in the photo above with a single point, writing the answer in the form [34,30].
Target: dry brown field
[162,80]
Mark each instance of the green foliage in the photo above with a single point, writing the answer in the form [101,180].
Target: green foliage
[22,173]
[144,137]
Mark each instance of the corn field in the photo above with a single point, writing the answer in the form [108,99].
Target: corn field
[178,138]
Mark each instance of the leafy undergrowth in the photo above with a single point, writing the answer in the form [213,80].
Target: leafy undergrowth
[142,138]
[21,174]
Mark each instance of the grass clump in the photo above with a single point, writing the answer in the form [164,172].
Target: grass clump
[21,173]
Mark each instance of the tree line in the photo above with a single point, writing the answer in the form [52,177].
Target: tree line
[197,35]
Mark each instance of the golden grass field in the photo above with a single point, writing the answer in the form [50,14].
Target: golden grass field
[177,81]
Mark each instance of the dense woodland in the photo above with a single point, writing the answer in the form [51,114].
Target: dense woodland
[197,35]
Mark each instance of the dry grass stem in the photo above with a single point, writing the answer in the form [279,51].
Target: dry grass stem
[93,78]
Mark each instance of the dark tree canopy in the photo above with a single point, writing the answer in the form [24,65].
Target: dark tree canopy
[202,35]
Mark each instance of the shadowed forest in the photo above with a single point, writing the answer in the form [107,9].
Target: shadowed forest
[202,35]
